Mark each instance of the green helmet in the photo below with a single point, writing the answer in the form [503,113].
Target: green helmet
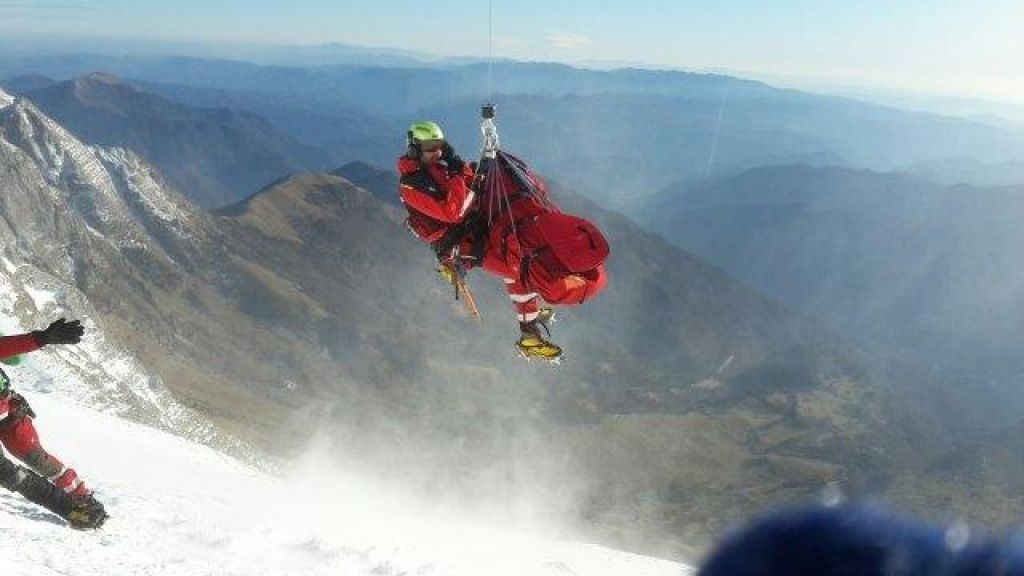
[424,130]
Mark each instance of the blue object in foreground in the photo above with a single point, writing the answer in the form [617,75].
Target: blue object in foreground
[862,541]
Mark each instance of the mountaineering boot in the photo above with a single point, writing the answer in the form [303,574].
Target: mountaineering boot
[86,513]
[80,511]
[532,344]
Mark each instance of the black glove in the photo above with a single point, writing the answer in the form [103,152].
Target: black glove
[19,407]
[61,332]
[455,164]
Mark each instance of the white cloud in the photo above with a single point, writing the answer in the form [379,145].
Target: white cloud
[567,40]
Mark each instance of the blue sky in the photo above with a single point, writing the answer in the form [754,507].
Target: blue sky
[952,47]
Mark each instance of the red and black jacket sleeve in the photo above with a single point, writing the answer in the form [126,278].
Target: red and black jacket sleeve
[19,344]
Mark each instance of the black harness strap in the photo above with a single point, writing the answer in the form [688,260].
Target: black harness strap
[421,180]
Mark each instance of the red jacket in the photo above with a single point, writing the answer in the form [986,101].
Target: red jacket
[20,344]
[435,198]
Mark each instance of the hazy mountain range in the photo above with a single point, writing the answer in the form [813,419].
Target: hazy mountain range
[216,156]
[614,135]
[924,270]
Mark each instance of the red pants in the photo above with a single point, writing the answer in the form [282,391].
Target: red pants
[21,440]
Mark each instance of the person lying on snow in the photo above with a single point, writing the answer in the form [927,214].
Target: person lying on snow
[69,497]
[438,189]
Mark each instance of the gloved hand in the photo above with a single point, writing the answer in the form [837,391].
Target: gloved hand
[19,407]
[61,332]
[454,162]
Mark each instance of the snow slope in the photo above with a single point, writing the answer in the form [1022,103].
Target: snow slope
[181,508]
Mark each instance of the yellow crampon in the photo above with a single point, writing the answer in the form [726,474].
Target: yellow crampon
[534,346]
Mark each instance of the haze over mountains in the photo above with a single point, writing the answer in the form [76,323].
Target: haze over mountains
[613,135]
[923,270]
[695,392]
